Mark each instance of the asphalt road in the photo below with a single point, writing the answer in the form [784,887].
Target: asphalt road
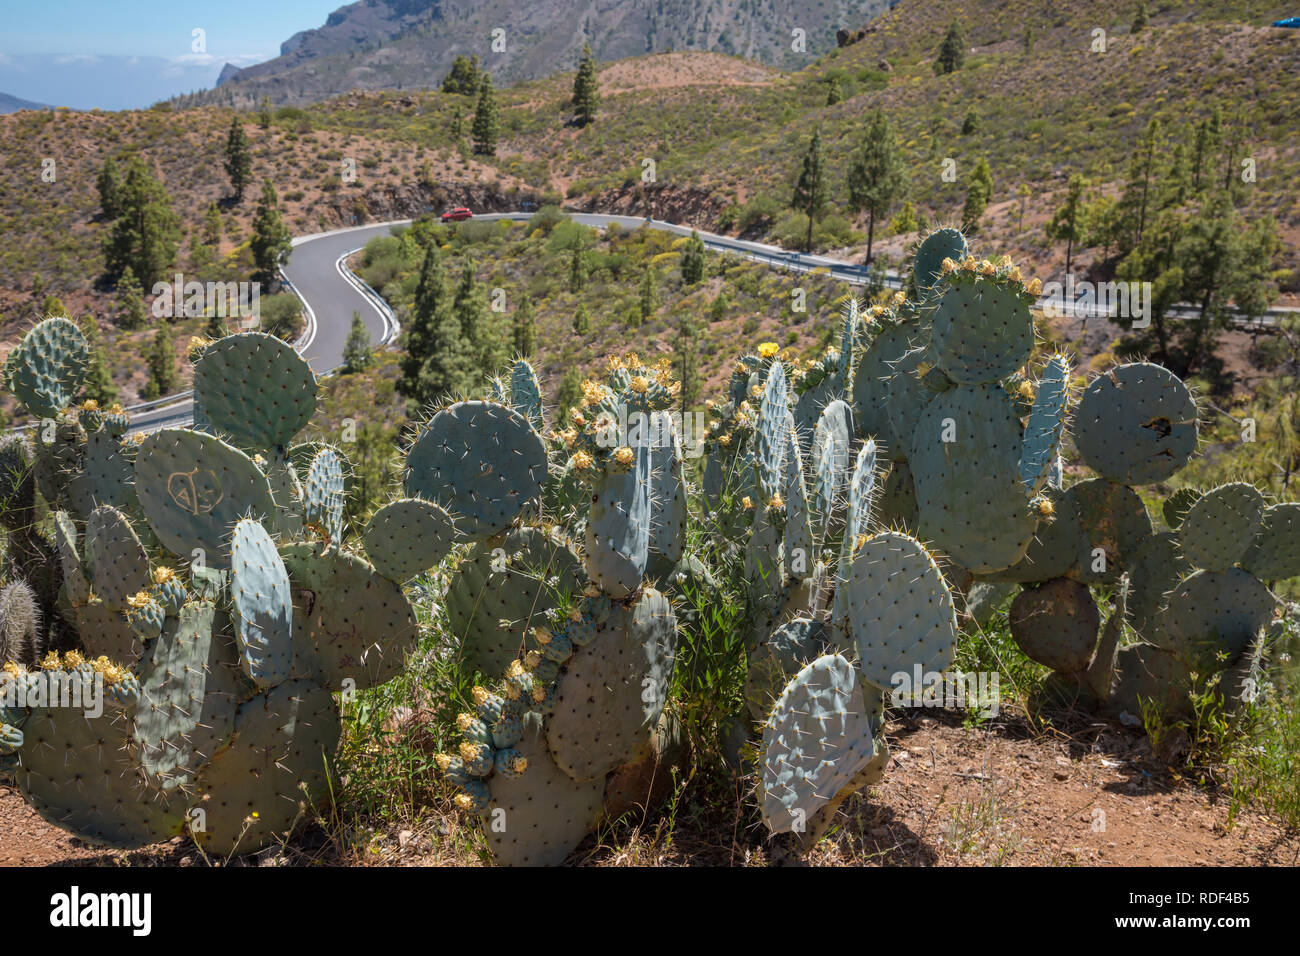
[331,293]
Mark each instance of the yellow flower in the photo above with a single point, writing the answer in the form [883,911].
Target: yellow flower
[776,501]
[519,764]
[73,659]
[468,750]
[724,440]
[578,418]
[465,721]
[443,761]
[947,266]
[768,349]
[138,599]
[582,461]
[969,264]
[640,384]
[464,801]
[987,268]
[1026,391]
[116,409]
[90,405]
[624,456]
[51,661]
[899,298]
[163,575]
[481,695]
[1014,275]
[1046,508]
[747,502]
[1035,286]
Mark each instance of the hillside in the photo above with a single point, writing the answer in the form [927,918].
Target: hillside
[12,104]
[410,44]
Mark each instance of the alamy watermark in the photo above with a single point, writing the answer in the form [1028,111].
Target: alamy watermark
[50,689]
[1120,300]
[195,300]
[971,690]
[655,430]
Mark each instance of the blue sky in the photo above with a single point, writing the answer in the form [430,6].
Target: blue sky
[240,30]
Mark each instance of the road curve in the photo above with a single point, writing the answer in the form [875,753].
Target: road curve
[331,293]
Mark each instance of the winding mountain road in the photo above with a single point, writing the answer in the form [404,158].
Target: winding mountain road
[330,292]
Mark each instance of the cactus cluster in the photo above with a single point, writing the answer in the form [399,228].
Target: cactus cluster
[200,576]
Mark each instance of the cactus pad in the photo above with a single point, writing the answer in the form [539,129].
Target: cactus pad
[1136,424]
[815,742]
[255,388]
[611,692]
[778,658]
[322,494]
[263,608]
[1221,525]
[193,488]
[981,330]
[1212,616]
[349,623]
[1042,445]
[618,527]
[46,369]
[406,537]
[1154,570]
[1055,547]
[546,812]
[277,766]
[1115,524]
[119,567]
[927,265]
[482,462]
[1056,624]
[1274,555]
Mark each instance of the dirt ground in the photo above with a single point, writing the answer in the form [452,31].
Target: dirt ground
[1002,793]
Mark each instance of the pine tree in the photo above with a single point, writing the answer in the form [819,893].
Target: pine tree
[1139,19]
[523,329]
[1136,199]
[486,348]
[577,269]
[464,76]
[586,89]
[810,190]
[161,362]
[834,92]
[130,311]
[147,233]
[109,184]
[1208,142]
[98,384]
[484,129]
[271,242]
[356,351]
[1067,224]
[875,174]
[437,361]
[581,320]
[693,259]
[952,53]
[239,158]
[648,303]
[978,193]
[264,113]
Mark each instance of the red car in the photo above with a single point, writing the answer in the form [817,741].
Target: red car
[457,215]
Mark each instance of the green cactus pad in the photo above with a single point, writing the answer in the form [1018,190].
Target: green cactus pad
[1055,547]
[519,578]
[78,773]
[255,388]
[970,498]
[526,393]
[610,693]
[668,504]
[406,537]
[618,527]
[899,610]
[815,742]
[190,687]
[831,447]
[797,542]
[322,494]
[1274,554]
[349,622]
[263,607]
[908,396]
[482,462]
[107,476]
[1046,423]
[778,658]
[286,490]
[546,812]
[897,509]
[1146,673]
[773,428]
[193,488]
[105,632]
[981,330]
[871,387]
[1176,506]
[863,490]
[1154,570]
[1136,424]
[74,571]
[1221,525]
[1056,624]
[46,369]
[927,264]
[118,564]
[1212,616]
[260,787]
[1114,521]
